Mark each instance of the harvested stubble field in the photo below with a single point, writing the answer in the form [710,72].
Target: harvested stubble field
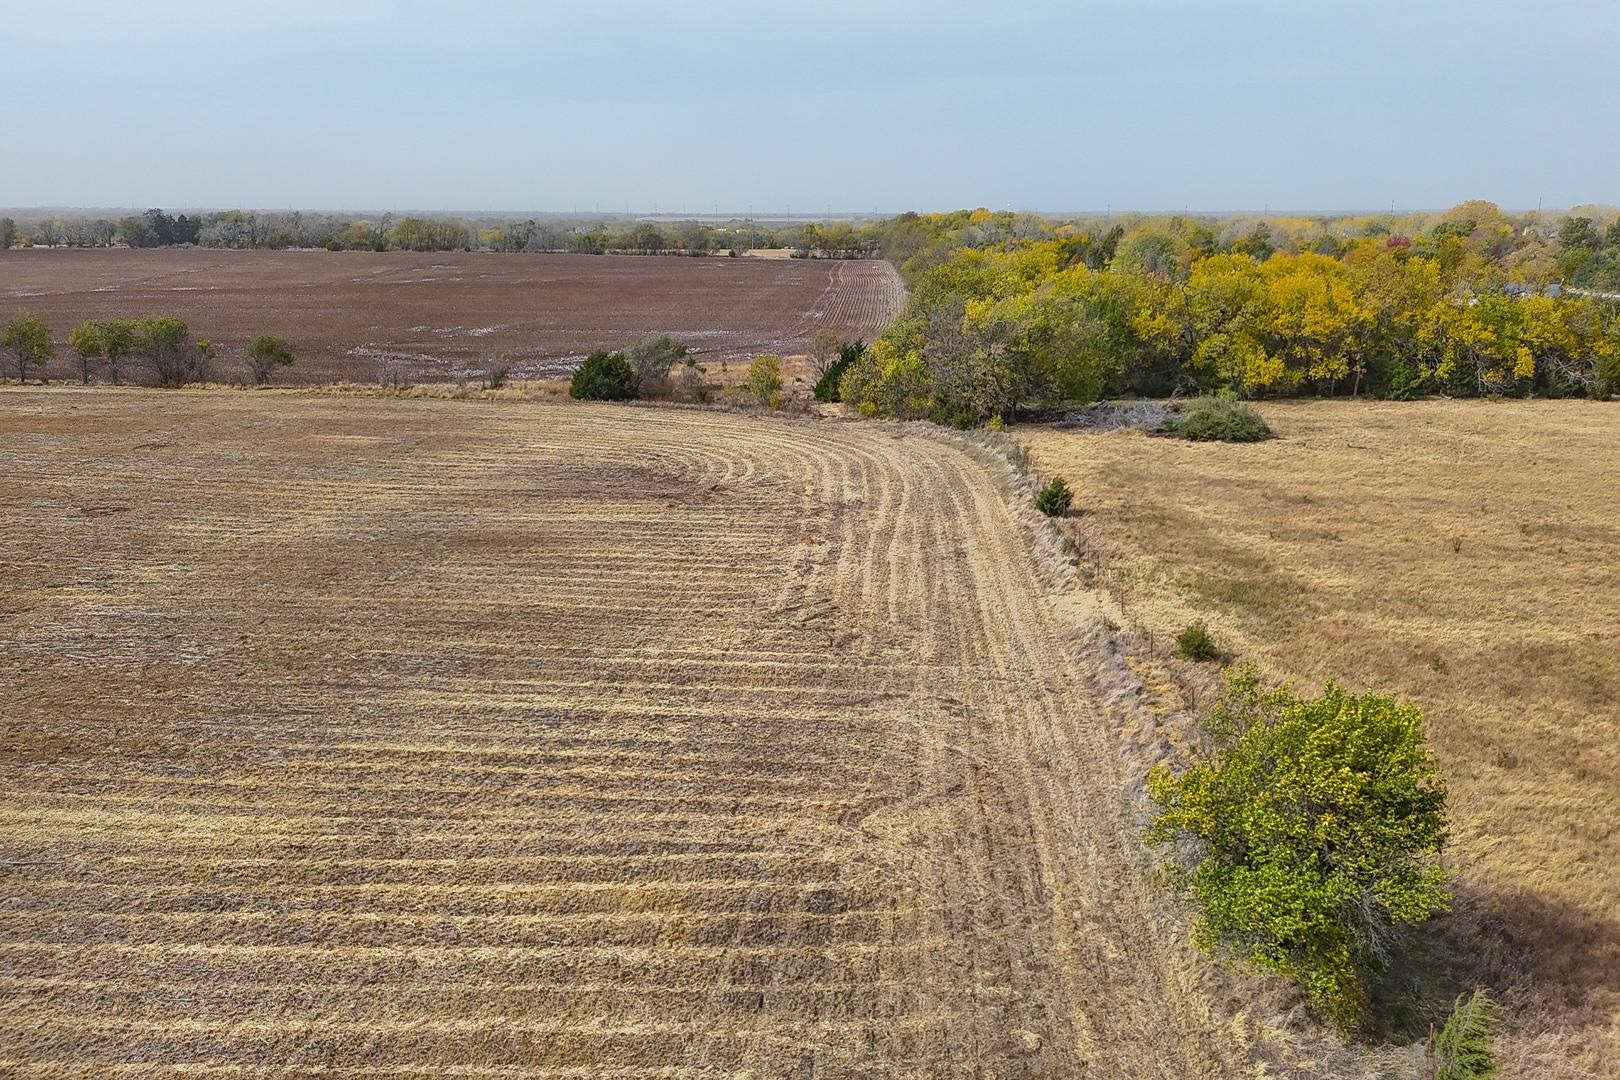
[429,315]
[1465,555]
[357,736]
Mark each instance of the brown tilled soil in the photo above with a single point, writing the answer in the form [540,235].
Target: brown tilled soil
[371,737]
[348,314]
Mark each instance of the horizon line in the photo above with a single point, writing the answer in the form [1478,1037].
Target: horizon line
[784,213]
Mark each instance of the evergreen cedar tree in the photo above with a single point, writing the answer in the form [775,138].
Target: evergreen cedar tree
[1054,499]
[827,386]
[604,376]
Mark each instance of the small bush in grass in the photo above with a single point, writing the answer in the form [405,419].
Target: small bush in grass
[1314,831]
[604,376]
[1196,644]
[1053,500]
[1221,418]
[1463,1047]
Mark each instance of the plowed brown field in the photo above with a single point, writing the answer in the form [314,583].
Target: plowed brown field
[368,737]
[347,314]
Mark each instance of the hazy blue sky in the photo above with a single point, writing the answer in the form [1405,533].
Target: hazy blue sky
[1296,104]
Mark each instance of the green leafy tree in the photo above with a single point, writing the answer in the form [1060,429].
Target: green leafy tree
[172,358]
[1317,825]
[764,380]
[411,234]
[604,376]
[88,345]
[119,338]
[135,232]
[161,227]
[644,237]
[1579,233]
[265,354]
[592,241]
[8,233]
[26,337]
[1148,251]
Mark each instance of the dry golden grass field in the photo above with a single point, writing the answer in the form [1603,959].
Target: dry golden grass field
[350,736]
[1465,555]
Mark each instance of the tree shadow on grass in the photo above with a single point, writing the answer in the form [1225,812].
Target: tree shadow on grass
[1547,958]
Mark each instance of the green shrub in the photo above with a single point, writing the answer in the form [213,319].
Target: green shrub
[604,376]
[948,412]
[1196,644]
[827,387]
[764,380]
[1318,823]
[265,354]
[1463,1046]
[1053,500]
[1220,418]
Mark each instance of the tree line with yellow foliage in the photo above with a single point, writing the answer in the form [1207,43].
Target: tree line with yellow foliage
[1011,312]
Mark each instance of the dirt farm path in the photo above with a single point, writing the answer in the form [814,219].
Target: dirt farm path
[357,737]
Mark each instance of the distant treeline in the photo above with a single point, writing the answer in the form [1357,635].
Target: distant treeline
[240,229]
[1010,311]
